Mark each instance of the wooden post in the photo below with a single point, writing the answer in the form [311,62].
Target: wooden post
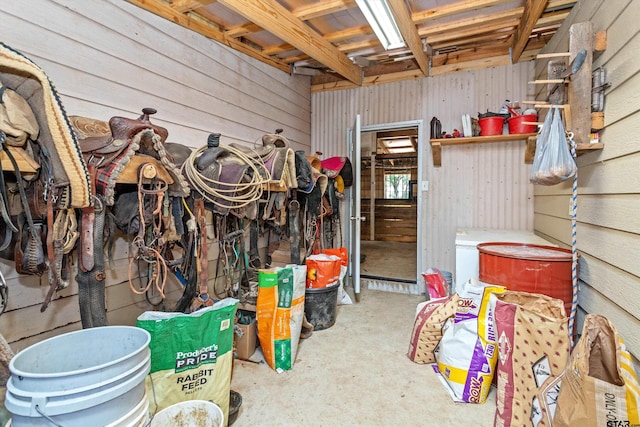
[581,37]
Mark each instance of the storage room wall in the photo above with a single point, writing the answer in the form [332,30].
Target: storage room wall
[110,58]
[608,231]
[481,185]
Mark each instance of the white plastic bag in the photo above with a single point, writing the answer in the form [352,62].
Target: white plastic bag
[553,162]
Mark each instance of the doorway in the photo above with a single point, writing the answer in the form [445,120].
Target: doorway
[389,179]
[388,199]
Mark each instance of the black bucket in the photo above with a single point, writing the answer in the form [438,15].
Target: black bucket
[320,306]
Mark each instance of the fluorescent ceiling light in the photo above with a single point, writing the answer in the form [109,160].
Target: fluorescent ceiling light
[401,150]
[397,143]
[379,16]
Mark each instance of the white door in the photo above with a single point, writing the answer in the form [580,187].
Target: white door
[353,136]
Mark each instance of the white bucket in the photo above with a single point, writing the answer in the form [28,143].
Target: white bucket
[89,377]
[137,417]
[191,413]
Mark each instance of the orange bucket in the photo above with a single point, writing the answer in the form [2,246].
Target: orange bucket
[491,126]
[516,124]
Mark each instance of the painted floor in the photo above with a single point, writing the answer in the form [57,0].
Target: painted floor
[355,373]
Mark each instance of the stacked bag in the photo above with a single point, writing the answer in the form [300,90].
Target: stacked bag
[522,340]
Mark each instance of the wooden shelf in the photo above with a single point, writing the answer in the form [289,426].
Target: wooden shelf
[580,148]
[436,144]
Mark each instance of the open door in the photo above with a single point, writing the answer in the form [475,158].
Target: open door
[353,137]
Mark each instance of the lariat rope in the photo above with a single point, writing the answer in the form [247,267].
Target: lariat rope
[574,246]
[239,195]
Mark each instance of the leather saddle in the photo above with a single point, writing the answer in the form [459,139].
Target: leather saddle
[103,142]
[224,171]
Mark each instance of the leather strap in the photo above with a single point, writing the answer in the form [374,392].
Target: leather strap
[53,277]
[85,249]
[294,230]
[23,199]
[203,298]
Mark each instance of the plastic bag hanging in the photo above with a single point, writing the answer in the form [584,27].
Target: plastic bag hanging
[553,162]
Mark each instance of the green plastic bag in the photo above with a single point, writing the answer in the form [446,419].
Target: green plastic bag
[191,355]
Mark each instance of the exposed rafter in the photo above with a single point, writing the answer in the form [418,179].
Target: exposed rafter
[167,12]
[453,9]
[271,16]
[532,11]
[332,40]
[409,33]
[189,5]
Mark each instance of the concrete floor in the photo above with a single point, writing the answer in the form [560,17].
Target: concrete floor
[355,373]
[391,260]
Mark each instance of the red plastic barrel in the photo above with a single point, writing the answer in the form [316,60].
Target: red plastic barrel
[528,268]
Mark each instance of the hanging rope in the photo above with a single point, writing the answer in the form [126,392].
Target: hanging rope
[574,247]
[239,194]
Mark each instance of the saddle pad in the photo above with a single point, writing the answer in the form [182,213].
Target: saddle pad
[70,170]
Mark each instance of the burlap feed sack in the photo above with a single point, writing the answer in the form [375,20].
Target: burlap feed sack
[533,348]
[427,328]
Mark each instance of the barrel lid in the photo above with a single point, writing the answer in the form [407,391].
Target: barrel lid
[525,251]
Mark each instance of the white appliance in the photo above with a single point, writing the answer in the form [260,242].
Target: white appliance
[467,255]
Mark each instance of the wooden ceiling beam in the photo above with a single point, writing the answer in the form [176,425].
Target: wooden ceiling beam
[184,6]
[476,22]
[416,74]
[552,18]
[473,41]
[338,36]
[273,17]
[242,30]
[461,34]
[532,12]
[453,9]
[322,8]
[304,13]
[490,56]
[166,11]
[409,33]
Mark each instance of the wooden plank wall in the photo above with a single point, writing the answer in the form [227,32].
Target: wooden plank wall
[110,58]
[395,220]
[608,232]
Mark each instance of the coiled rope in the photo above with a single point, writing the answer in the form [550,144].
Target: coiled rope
[574,246]
[238,195]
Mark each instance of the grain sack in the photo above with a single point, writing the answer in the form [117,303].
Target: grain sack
[468,351]
[533,348]
[322,270]
[191,355]
[279,312]
[599,387]
[427,327]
